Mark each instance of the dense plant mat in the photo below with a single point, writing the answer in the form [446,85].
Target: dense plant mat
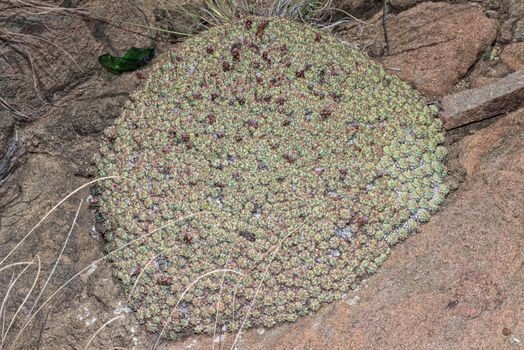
[305,160]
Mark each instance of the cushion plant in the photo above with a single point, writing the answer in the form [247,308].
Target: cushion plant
[305,160]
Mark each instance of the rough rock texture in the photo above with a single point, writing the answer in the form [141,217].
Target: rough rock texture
[432,54]
[455,285]
[469,106]
[436,54]
[513,55]
[8,144]
[358,8]
[512,29]
[403,4]
[484,72]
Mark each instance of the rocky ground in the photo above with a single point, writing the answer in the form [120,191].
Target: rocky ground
[457,284]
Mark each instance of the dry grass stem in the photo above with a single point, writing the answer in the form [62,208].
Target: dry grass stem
[93,264]
[100,329]
[182,297]
[58,258]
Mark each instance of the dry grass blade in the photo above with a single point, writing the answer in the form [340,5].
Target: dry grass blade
[6,297]
[273,254]
[58,258]
[11,285]
[220,297]
[39,268]
[46,41]
[182,297]
[140,275]
[15,264]
[100,329]
[52,210]
[93,264]
[20,115]
[41,8]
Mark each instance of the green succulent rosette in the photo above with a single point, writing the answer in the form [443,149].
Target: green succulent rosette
[284,163]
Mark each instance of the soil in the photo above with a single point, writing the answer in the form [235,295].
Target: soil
[456,284]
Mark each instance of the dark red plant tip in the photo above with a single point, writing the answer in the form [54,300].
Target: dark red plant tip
[267,99]
[300,73]
[212,119]
[362,220]
[284,48]
[140,75]
[248,23]
[188,238]
[358,65]
[325,113]
[165,281]
[321,95]
[280,101]
[202,84]
[235,50]
[185,137]
[210,50]
[110,137]
[335,96]
[256,64]
[254,47]
[262,27]
[213,96]
[236,54]
[318,37]
[265,56]
[290,159]
[197,95]
[226,66]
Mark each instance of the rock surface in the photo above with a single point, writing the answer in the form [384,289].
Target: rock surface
[513,27]
[432,54]
[513,56]
[469,106]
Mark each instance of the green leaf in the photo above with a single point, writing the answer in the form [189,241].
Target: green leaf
[133,59]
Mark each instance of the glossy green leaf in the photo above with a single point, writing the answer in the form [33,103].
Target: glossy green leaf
[133,59]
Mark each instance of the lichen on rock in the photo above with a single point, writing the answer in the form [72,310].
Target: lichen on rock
[305,159]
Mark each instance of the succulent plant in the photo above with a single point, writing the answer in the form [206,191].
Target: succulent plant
[307,160]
